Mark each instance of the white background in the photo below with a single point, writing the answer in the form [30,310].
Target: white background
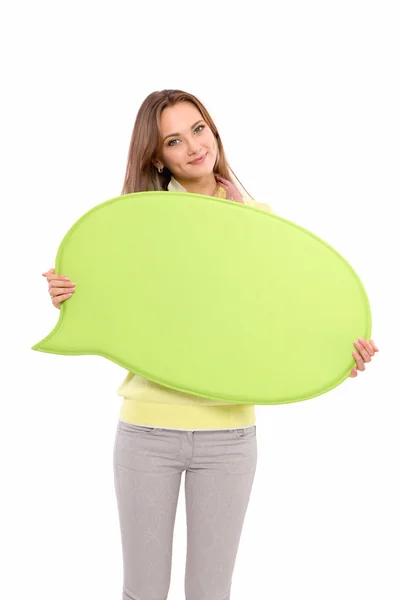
[306,98]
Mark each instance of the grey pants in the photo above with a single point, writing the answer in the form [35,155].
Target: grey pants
[148,464]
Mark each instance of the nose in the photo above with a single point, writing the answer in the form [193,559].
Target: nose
[193,146]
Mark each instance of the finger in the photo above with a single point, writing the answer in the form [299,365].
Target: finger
[353,372]
[367,346]
[46,273]
[53,276]
[59,283]
[60,299]
[363,351]
[60,291]
[359,361]
[374,345]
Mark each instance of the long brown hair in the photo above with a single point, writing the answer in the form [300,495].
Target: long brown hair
[141,174]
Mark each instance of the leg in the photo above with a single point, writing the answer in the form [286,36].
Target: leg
[217,486]
[147,475]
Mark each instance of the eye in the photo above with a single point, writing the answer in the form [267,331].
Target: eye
[198,129]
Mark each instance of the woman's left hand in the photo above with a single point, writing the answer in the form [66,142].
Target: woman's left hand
[366,351]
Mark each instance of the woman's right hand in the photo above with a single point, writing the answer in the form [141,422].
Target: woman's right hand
[60,287]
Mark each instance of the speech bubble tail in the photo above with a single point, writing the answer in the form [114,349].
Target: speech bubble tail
[51,343]
[44,346]
[59,342]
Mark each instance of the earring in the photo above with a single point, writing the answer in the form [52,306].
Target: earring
[160,170]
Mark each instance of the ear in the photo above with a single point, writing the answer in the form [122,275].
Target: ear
[157,164]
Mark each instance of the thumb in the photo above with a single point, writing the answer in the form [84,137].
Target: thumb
[50,271]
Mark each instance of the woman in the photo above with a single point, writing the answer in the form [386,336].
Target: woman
[175,146]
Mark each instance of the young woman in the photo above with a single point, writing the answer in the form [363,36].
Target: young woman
[161,433]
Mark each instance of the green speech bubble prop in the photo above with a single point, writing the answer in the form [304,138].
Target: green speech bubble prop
[209,297]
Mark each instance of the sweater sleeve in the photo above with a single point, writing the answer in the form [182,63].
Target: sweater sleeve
[124,385]
[262,205]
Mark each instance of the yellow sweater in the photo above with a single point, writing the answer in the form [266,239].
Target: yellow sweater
[147,403]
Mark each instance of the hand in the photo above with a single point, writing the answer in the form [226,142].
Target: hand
[60,287]
[366,350]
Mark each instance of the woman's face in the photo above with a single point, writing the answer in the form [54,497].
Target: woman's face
[185,138]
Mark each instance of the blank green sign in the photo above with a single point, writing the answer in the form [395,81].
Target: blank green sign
[209,297]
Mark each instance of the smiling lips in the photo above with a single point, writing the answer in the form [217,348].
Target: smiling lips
[198,161]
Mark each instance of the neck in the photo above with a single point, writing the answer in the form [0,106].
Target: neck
[204,185]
